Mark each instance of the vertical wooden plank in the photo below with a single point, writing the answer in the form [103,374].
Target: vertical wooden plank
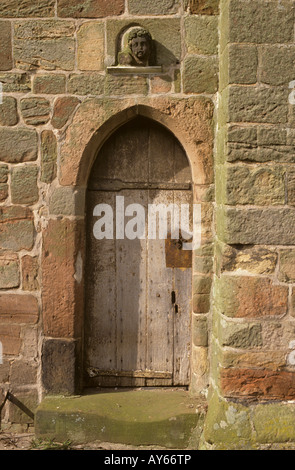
[131,294]
[182,326]
[161,155]
[182,316]
[160,309]
[100,314]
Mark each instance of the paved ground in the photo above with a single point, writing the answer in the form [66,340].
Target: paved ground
[27,441]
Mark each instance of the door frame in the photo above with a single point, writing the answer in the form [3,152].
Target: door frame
[105,347]
[190,120]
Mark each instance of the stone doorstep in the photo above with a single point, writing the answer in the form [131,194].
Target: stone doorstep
[160,417]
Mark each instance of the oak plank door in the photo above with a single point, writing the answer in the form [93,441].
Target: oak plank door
[138,291]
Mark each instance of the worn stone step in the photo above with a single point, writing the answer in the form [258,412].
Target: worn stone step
[168,418]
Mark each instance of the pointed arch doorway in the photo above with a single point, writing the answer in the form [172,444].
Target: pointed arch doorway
[138,291]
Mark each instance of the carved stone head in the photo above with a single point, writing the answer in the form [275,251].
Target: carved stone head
[139,48]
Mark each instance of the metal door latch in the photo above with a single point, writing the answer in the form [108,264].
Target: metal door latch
[173,300]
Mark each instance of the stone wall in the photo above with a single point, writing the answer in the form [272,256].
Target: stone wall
[57,93]
[253,326]
[225,94]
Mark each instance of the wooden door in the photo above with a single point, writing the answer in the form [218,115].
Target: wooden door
[138,291]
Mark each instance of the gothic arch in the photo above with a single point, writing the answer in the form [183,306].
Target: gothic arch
[63,256]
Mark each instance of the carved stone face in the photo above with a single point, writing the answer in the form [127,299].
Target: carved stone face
[140,47]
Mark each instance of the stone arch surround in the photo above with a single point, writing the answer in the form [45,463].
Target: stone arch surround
[191,121]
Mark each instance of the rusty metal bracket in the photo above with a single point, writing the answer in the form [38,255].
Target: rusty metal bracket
[5,400]
[10,397]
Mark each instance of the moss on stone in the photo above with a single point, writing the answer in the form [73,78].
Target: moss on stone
[227,424]
[161,417]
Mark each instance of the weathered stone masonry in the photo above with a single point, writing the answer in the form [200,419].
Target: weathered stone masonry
[252,311]
[224,94]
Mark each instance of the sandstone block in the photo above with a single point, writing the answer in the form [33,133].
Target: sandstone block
[201,33]
[90,9]
[265,105]
[161,84]
[49,84]
[272,226]
[250,297]
[19,309]
[256,260]
[240,335]
[48,156]
[274,422]
[9,271]
[228,424]
[203,264]
[59,366]
[293,303]
[23,373]
[48,44]
[62,313]
[271,136]
[258,186]
[271,360]
[3,192]
[277,335]
[203,7]
[6,62]
[35,111]
[10,339]
[287,267]
[86,84]
[200,331]
[152,7]
[261,22]
[201,284]
[8,111]
[63,110]
[24,189]
[261,384]
[118,86]
[239,64]
[259,144]
[291,186]
[201,303]
[17,228]
[200,75]
[65,200]
[90,39]
[3,173]
[277,66]
[30,273]
[4,375]
[15,82]
[26,8]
